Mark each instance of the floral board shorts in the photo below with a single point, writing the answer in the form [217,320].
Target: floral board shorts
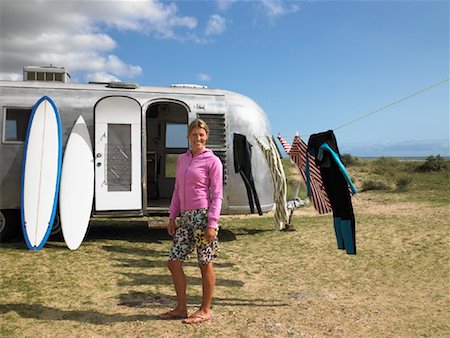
[190,235]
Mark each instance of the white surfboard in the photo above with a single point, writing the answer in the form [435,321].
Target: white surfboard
[77,185]
[41,173]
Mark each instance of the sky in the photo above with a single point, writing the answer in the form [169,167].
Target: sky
[311,65]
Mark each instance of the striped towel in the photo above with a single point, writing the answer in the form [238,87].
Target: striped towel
[273,159]
[298,152]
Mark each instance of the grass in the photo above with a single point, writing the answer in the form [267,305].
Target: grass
[269,283]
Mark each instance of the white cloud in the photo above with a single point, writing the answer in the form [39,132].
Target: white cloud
[102,77]
[278,8]
[224,5]
[204,77]
[216,25]
[10,76]
[149,16]
[74,34]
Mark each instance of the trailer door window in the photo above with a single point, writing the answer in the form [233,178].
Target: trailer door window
[119,157]
[176,135]
[15,124]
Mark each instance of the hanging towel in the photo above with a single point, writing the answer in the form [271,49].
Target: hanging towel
[242,155]
[273,159]
[315,188]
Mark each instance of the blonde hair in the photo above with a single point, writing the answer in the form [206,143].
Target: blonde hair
[198,123]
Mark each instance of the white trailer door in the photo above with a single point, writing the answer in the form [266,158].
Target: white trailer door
[118,154]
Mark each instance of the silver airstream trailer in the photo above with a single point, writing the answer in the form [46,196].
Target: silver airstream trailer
[152,119]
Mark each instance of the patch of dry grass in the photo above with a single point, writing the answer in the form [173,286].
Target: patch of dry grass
[269,283]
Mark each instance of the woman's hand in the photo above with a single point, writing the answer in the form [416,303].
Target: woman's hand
[210,234]
[171,227]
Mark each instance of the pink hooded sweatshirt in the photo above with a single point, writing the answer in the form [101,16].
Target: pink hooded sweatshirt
[198,184]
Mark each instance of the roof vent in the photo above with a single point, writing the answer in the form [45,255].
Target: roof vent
[122,85]
[45,73]
[188,86]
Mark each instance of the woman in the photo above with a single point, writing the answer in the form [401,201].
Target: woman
[197,199]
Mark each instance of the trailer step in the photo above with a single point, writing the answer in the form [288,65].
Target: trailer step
[155,222]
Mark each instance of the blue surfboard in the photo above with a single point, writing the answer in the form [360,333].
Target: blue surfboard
[41,173]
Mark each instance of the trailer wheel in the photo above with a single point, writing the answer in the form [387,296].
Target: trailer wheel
[56,233]
[2,222]
[9,224]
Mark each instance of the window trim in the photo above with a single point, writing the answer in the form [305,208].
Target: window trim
[5,109]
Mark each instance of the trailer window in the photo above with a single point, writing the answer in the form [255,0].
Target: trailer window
[176,135]
[15,124]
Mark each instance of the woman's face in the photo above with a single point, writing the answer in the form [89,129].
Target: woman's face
[197,139]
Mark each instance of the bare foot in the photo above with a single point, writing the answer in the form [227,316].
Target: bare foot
[174,314]
[198,317]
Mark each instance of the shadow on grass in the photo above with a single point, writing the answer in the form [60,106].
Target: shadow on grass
[153,300]
[232,235]
[144,279]
[125,231]
[135,251]
[226,235]
[139,232]
[131,231]
[148,263]
[149,253]
[17,245]
[37,311]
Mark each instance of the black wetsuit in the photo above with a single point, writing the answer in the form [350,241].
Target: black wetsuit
[242,154]
[336,186]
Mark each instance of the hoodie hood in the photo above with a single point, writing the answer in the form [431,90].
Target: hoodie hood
[206,153]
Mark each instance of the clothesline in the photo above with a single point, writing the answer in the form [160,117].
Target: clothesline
[383,107]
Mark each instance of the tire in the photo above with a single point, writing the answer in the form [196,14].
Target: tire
[56,233]
[9,224]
